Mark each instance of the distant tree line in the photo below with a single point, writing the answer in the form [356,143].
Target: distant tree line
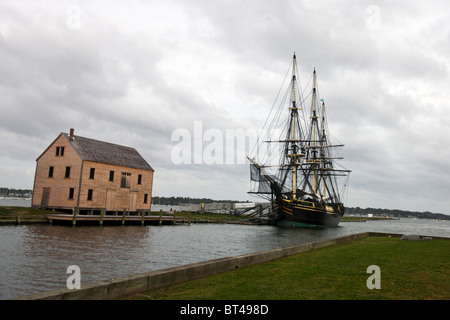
[17,193]
[176,201]
[397,213]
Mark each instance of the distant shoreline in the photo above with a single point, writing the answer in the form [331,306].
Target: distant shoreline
[11,214]
[362,213]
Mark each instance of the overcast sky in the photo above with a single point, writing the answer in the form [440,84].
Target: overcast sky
[136,72]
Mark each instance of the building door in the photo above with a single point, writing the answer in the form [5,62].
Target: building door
[45,197]
[110,197]
[133,201]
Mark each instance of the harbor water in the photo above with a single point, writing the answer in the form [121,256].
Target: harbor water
[35,258]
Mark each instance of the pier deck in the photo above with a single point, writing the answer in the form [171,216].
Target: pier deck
[115,219]
[142,219]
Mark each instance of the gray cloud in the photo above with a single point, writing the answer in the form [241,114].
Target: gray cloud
[132,74]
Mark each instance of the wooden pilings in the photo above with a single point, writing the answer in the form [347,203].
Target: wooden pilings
[75,213]
[123,216]
[102,214]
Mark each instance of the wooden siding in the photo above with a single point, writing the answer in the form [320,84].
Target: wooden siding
[58,184]
[119,198]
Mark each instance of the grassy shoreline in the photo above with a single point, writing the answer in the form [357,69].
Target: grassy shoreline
[410,270]
[14,215]
[22,215]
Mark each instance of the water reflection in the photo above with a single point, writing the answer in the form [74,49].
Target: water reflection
[35,257]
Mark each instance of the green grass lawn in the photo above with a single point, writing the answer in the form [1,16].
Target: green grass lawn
[409,270]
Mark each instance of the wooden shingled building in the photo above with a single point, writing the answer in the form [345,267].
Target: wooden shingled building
[86,174]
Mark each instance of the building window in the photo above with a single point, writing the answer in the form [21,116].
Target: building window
[90,192]
[111,176]
[67,172]
[125,181]
[59,151]
[140,179]
[145,197]
[50,172]
[71,192]
[92,173]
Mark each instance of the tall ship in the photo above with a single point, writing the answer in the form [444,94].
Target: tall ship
[294,163]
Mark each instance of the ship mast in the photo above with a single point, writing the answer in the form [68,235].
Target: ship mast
[323,155]
[295,156]
[314,141]
[294,115]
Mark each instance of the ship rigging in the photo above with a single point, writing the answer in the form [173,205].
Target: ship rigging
[301,177]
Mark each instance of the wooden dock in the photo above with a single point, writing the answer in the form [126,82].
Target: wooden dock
[127,219]
[122,219]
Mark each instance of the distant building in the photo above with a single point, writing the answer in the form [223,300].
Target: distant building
[77,172]
[15,193]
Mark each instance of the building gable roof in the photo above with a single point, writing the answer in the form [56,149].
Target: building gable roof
[109,153]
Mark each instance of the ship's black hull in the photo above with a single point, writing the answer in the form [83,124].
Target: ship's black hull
[291,213]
